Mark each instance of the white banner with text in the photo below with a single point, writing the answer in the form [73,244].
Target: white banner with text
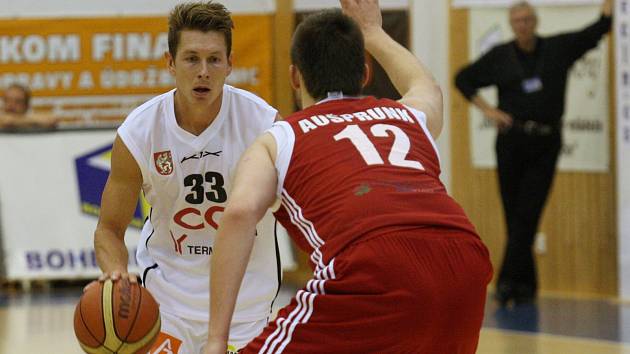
[49,199]
[101,68]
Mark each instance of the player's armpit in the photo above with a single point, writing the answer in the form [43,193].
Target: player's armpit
[430,102]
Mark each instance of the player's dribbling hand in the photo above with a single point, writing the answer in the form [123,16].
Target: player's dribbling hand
[366,13]
[114,276]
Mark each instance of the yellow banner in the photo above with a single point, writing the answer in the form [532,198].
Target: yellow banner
[118,56]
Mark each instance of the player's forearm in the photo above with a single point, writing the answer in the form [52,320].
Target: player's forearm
[402,67]
[232,247]
[111,251]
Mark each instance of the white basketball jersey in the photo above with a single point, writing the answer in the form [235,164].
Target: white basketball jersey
[186,179]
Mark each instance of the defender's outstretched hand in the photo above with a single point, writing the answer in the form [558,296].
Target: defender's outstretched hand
[366,13]
[411,78]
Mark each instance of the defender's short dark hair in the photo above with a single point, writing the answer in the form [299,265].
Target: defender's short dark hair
[329,51]
[202,16]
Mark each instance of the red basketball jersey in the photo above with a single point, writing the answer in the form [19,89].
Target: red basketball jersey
[359,168]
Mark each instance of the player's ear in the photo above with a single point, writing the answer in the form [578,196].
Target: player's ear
[170,62]
[230,58]
[295,75]
[367,76]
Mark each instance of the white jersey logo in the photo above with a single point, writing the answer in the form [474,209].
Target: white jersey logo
[163,162]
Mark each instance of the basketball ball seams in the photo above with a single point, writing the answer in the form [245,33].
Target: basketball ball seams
[124,295]
[117,318]
[151,335]
[85,325]
[135,317]
[111,339]
[99,350]
[148,338]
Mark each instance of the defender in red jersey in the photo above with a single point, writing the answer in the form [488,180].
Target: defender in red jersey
[398,267]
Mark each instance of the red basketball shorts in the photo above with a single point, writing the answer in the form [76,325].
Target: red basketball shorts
[421,292]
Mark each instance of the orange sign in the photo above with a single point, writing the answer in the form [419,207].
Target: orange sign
[165,344]
[118,56]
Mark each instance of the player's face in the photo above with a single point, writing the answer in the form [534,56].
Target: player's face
[14,101]
[523,21]
[200,66]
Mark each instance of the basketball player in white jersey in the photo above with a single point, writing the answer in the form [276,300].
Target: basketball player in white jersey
[180,149]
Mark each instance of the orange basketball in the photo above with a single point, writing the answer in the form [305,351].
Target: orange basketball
[116,317]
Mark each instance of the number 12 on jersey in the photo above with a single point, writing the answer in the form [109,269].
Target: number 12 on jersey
[397,154]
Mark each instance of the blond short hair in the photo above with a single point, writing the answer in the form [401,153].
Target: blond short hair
[203,16]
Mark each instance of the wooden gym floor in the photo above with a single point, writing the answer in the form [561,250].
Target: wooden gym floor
[40,322]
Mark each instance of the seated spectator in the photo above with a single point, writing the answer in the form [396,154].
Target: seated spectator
[15,112]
